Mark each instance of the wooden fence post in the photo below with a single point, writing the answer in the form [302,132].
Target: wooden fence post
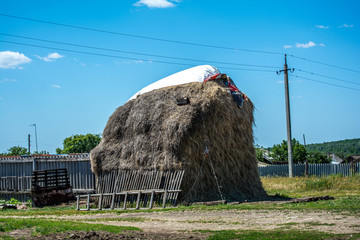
[138,200]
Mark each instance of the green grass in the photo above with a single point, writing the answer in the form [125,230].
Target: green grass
[340,204]
[126,219]
[307,224]
[44,227]
[347,204]
[289,224]
[334,185]
[277,234]
[6,238]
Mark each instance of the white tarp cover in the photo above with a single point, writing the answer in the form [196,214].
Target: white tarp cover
[194,74]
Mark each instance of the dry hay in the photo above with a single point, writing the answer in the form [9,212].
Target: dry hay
[152,132]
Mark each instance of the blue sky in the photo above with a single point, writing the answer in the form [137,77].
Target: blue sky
[66,92]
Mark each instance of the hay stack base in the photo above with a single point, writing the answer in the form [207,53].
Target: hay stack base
[208,136]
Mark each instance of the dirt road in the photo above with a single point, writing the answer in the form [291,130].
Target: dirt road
[172,222]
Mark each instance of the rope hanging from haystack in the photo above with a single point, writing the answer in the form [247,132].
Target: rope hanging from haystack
[207,153]
[196,179]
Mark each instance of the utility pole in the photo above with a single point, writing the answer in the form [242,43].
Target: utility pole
[288,122]
[29,143]
[306,161]
[37,150]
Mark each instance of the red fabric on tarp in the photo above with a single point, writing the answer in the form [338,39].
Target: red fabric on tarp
[233,88]
[211,78]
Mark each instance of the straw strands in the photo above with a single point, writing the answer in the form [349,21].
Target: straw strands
[210,138]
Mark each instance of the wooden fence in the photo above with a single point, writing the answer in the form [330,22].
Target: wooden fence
[118,181]
[121,181]
[346,169]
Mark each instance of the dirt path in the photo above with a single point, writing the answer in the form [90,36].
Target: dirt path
[171,222]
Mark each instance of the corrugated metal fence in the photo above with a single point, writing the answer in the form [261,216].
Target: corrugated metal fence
[346,169]
[16,173]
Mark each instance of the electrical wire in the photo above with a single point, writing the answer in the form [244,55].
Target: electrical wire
[174,41]
[325,64]
[327,83]
[128,58]
[140,36]
[136,53]
[320,75]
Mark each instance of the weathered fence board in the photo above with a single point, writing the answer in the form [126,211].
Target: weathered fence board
[138,180]
[122,205]
[118,181]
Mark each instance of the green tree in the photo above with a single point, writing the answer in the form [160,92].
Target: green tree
[16,150]
[79,143]
[41,152]
[259,152]
[317,157]
[279,152]
[343,148]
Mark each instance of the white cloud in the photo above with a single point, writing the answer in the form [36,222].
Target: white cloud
[306,45]
[322,26]
[156,3]
[83,64]
[8,80]
[55,86]
[346,26]
[133,62]
[12,60]
[50,57]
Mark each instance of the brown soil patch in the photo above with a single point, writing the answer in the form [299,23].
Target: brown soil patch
[172,222]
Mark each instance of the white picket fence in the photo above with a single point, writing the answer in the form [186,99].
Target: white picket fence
[346,169]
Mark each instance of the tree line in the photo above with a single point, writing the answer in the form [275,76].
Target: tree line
[74,144]
[343,148]
[279,153]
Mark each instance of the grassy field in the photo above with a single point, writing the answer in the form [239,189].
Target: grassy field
[334,185]
[44,226]
[346,191]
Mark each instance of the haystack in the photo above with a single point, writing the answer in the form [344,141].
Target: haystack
[209,136]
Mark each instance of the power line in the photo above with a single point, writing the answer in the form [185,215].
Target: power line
[136,53]
[140,36]
[174,41]
[320,75]
[128,58]
[325,64]
[331,84]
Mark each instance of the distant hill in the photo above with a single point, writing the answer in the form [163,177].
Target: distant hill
[343,148]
